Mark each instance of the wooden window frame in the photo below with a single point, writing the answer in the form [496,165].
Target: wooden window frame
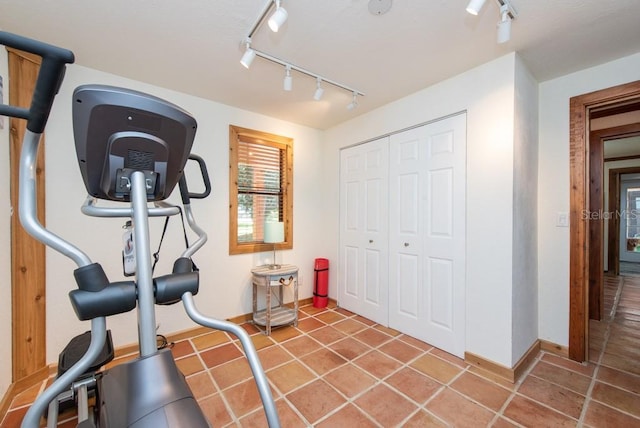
[284,143]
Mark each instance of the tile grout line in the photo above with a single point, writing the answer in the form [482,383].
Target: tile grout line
[378,381]
[516,387]
[607,333]
[218,390]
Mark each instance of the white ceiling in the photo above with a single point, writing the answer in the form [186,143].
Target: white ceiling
[195,46]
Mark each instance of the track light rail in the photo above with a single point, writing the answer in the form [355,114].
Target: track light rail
[261,17]
[307,72]
[251,52]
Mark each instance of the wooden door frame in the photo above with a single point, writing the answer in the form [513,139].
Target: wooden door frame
[613,256]
[579,116]
[28,264]
[596,205]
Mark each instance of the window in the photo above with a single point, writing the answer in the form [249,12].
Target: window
[260,188]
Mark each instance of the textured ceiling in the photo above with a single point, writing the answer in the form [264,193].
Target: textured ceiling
[195,46]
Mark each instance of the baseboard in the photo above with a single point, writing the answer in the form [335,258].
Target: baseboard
[510,374]
[554,348]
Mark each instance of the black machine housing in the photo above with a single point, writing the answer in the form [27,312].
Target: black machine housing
[118,131]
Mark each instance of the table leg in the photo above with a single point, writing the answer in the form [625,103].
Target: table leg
[295,300]
[255,299]
[268,309]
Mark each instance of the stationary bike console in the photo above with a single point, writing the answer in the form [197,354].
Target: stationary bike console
[119,131]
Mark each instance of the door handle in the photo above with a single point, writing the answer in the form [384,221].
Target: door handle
[370,241]
[406,244]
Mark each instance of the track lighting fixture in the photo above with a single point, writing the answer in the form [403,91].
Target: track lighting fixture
[278,18]
[504,25]
[354,102]
[319,91]
[248,56]
[475,6]
[507,14]
[288,81]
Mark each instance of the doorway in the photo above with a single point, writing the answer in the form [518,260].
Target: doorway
[629,225]
[583,108]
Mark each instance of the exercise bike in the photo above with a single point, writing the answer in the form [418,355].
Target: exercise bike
[132,149]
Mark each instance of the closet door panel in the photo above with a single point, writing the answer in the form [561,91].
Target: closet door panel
[440,203]
[350,271]
[363,271]
[408,295]
[428,223]
[372,281]
[439,287]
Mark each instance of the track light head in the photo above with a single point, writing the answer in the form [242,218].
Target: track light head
[354,102]
[287,85]
[319,91]
[504,31]
[248,56]
[504,25]
[278,18]
[475,6]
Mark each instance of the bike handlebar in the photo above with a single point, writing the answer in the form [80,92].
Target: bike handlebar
[52,68]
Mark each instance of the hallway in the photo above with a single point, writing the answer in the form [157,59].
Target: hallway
[338,369]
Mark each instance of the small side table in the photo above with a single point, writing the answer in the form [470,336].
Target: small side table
[265,276]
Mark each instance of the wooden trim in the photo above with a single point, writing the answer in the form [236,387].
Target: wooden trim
[621,109]
[596,226]
[613,256]
[525,361]
[579,242]
[510,374]
[613,240]
[26,55]
[554,348]
[28,264]
[235,132]
[620,158]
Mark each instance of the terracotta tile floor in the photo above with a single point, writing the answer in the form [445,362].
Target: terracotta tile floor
[337,369]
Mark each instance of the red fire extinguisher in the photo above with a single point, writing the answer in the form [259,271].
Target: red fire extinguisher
[321,284]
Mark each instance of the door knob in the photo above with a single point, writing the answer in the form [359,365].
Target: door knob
[406,244]
[370,241]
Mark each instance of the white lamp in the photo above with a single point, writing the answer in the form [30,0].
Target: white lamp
[288,81]
[319,91]
[273,234]
[278,18]
[474,6]
[504,25]
[248,56]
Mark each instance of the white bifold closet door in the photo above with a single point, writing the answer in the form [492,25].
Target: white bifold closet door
[363,265]
[427,233]
[402,232]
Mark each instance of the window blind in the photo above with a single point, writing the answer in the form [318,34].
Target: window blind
[260,189]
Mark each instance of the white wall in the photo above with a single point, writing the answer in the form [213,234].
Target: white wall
[525,213]
[5,237]
[487,94]
[225,289]
[553,186]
